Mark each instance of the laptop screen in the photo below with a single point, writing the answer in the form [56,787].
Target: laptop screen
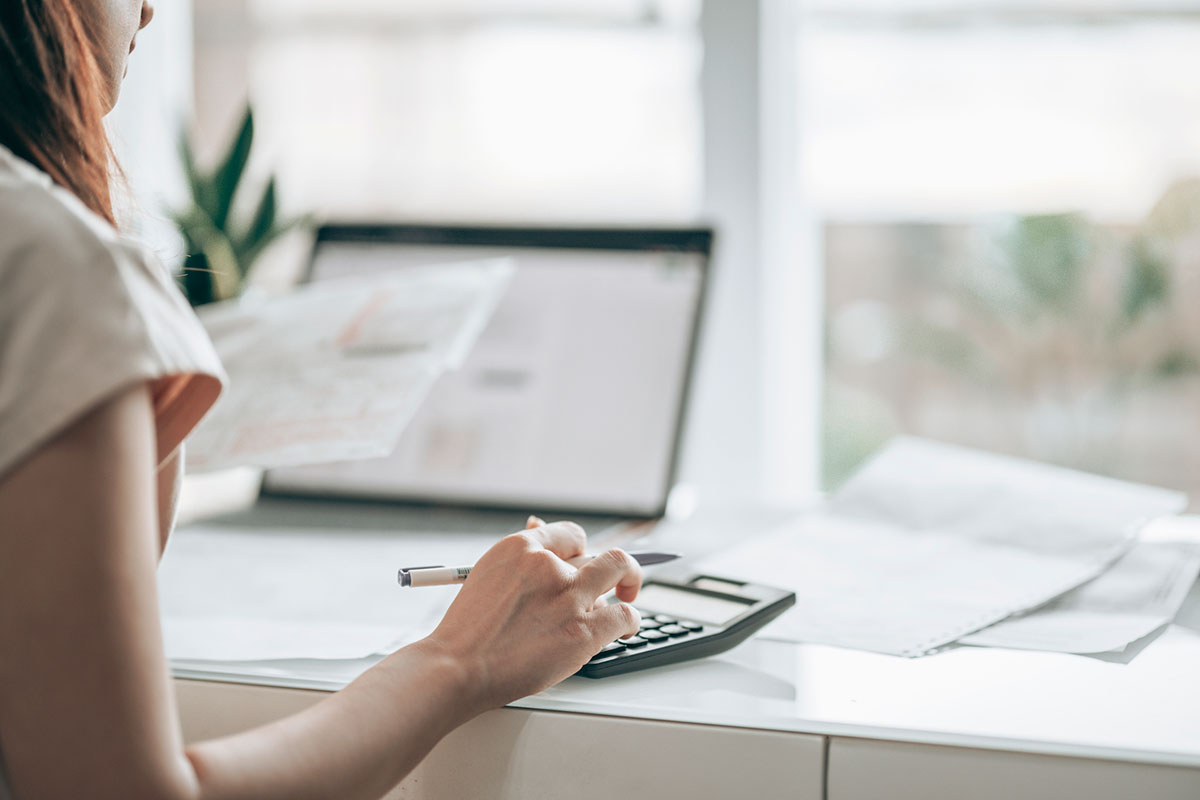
[573,397]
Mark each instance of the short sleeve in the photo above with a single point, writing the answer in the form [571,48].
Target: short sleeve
[83,316]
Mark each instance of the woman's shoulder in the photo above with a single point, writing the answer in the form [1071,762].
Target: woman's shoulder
[58,260]
[45,231]
[84,311]
[53,246]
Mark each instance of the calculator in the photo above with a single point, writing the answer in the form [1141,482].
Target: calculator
[696,617]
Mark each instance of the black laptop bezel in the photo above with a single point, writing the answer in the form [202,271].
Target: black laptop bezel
[687,239]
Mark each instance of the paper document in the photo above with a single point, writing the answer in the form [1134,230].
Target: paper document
[335,370]
[262,593]
[1140,593]
[931,542]
[257,639]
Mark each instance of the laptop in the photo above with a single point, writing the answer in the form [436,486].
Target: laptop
[572,403]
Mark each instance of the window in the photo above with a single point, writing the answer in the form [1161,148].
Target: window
[582,110]
[1011,228]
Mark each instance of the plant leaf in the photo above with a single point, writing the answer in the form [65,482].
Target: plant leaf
[204,238]
[195,279]
[223,263]
[261,230]
[251,254]
[201,186]
[188,158]
[229,173]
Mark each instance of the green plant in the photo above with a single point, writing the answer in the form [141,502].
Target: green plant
[221,248]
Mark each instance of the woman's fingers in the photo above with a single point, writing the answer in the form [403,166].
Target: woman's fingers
[615,621]
[565,539]
[611,568]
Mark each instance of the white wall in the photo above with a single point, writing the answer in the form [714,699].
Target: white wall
[155,100]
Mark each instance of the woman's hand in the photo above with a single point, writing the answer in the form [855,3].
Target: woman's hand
[525,618]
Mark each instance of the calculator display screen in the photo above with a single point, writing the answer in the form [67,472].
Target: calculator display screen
[690,605]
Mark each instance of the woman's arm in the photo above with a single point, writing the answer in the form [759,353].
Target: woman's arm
[86,707]
[167,484]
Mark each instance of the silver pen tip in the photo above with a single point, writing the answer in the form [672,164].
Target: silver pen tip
[649,559]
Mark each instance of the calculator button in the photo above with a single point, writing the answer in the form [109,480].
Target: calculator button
[673,630]
[609,649]
[650,624]
[692,626]
[634,641]
[664,619]
[654,636]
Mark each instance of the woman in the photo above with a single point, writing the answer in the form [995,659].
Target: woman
[103,372]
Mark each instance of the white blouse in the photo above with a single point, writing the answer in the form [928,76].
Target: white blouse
[84,314]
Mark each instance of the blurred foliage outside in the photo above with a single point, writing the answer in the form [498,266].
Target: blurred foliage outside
[1049,337]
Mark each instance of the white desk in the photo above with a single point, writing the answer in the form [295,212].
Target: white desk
[774,719]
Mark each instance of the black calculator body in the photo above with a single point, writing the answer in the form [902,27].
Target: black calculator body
[681,620]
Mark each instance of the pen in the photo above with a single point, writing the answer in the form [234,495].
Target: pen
[446,576]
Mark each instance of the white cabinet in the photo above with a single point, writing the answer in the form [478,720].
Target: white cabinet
[517,754]
[521,754]
[527,754]
[870,769]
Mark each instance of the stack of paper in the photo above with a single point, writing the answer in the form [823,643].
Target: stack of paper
[930,543]
[335,370]
[1140,593]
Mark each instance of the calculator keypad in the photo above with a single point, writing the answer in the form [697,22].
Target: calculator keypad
[655,629]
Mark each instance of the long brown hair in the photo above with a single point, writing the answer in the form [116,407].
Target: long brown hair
[53,98]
